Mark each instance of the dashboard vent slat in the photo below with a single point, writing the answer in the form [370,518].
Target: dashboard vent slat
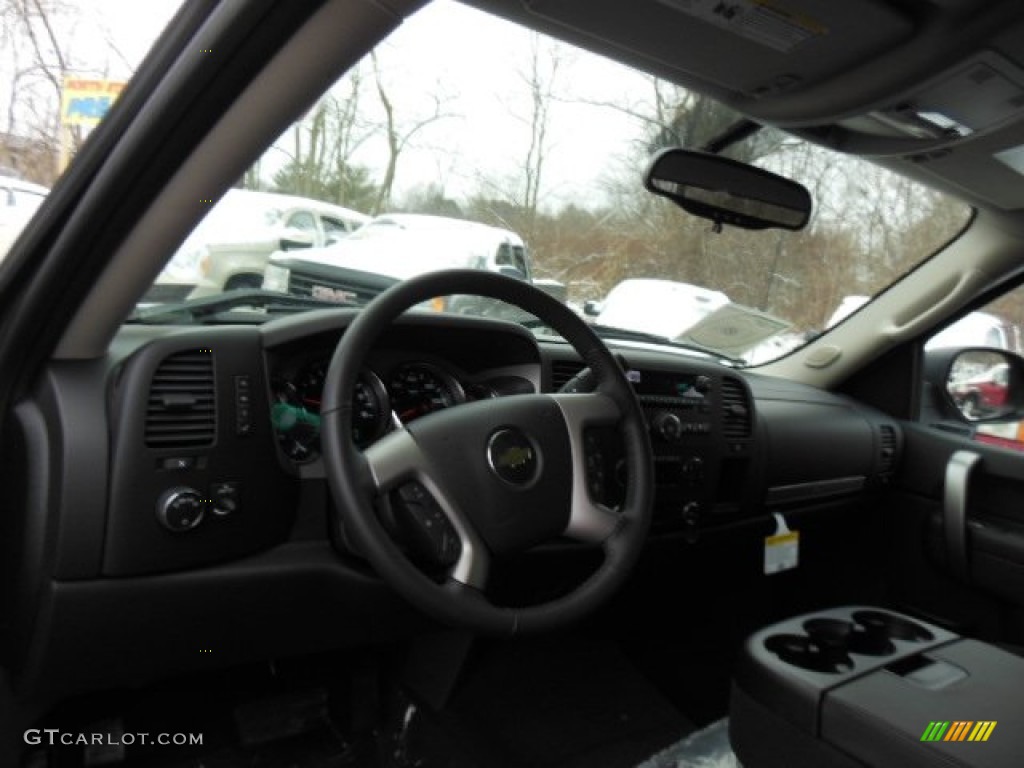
[181,411]
[737,420]
[563,371]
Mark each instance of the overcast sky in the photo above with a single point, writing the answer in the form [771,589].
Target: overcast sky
[478,72]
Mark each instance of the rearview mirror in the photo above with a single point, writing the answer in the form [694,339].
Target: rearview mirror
[295,239]
[728,192]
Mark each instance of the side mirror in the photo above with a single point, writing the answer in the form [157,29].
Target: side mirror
[592,308]
[295,239]
[553,288]
[978,384]
[727,191]
[508,271]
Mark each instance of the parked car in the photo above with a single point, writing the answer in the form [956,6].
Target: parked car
[977,329]
[229,250]
[662,307]
[19,200]
[395,247]
[980,329]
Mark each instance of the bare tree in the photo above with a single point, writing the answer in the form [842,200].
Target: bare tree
[38,49]
[398,133]
[322,159]
[541,83]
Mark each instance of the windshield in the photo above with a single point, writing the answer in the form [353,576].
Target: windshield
[515,153]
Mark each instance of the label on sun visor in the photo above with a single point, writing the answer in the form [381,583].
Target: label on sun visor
[781,549]
[761,21]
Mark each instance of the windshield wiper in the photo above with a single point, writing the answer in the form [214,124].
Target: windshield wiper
[624,334]
[193,310]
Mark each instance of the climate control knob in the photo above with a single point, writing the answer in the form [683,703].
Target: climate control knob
[667,426]
[180,509]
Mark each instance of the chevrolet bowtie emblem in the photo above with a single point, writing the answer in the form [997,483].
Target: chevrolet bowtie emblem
[512,456]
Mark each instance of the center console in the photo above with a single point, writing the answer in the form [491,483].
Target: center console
[859,686]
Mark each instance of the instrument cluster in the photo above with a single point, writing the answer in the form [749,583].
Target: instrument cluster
[385,397]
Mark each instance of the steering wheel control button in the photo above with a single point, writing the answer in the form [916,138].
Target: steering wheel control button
[513,457]
[595,462]
[225,497]
[180,509]
[424,526]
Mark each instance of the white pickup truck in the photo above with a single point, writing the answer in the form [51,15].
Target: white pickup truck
[393,247]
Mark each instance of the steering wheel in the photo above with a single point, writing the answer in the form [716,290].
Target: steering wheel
[488,478]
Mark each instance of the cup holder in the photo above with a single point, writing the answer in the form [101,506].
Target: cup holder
[849,637]
[828,642]
[830,633]
[803,651]
[889,626]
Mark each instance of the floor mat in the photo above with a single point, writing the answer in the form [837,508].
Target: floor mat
[706,748]
[565,701]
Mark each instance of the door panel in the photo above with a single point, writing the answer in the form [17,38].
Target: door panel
[955,533]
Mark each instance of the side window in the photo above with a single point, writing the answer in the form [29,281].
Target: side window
[334,229]
[504,257]
[519,259]
[511,256]
[302,221]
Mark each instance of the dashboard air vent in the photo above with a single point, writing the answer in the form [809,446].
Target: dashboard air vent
[736,416]
[562,371]
[887,453]
[181,411]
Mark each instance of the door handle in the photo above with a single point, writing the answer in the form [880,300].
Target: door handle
[954,511]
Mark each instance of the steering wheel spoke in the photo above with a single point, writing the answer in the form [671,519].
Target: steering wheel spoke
[397,463]
[589,520]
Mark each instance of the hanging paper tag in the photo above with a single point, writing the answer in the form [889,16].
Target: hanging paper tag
[781,549]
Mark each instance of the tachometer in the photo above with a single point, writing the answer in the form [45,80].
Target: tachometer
[420,388]
[296,411]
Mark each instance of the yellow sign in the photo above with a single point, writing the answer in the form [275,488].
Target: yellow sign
[86,102]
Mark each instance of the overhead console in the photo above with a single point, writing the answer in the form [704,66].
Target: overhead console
[858,686]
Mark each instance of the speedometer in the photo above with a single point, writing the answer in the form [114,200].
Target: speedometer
[371,409]
[420,388]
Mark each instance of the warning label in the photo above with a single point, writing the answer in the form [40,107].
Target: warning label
[762,21]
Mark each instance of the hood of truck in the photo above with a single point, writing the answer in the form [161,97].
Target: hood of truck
[398,256]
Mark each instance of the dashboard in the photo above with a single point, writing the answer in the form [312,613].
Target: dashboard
[217,430]
[215,485]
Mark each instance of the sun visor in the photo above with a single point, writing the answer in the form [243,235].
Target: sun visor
[774,46]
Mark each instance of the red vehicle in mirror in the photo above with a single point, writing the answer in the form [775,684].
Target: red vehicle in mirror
[984,392]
